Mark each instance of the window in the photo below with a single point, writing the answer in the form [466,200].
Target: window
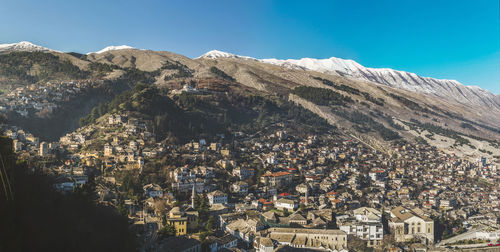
[418,229]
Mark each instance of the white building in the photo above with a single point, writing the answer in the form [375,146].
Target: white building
[44,149]
[153,190]
[240,187]
[18,145]
[366,224]
[108,150]
[243,172]
[287,204]
[407,224]
[217,197]
[306,239]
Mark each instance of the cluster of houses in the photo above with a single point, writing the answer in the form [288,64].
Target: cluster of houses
[280,189]
[69,175]
[43,98]
[127,144]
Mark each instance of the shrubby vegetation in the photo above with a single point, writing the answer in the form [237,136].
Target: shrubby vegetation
[421,140]
[250,113]
[458,117]
[182,70]
[365,124]
[119,102]
[459,140]
[389,120]
[221,74]
[66,117]
[19,65]
[78,55]
[467,126]
[411,104]
[134,75]
[101,69]
[351,90]
[191,115]
[321,96]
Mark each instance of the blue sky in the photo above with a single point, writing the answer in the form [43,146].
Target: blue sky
[443,39]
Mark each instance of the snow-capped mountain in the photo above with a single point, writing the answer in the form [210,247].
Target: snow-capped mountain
[113,48]
[23,46]
[214,54]
[330,65]
[394,78]
[390,77]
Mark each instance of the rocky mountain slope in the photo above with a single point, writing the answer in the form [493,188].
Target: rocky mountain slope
[377,106]
[448,89]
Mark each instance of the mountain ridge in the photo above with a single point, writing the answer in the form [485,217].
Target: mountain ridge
[332,65]
[24,46]
[114,48]
[371,111]
[444,88]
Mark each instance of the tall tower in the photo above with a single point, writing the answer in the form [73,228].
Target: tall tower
[193,195]
[44,149]
[307,196]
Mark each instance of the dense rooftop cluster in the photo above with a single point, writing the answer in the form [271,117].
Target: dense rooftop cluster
[274,188]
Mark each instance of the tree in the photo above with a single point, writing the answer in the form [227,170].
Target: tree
[210,224]
[87,191]
[167,230]
[202,207]
[302,207]
[121,208]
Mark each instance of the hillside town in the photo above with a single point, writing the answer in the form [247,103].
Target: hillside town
[276,190]
[43,98]
[250,126]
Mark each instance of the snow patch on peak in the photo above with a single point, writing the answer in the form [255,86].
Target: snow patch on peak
[321,65]
[387,76]
[214,54]
[23,46]
[114,48]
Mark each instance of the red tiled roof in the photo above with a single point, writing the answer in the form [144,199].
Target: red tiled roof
[276,174]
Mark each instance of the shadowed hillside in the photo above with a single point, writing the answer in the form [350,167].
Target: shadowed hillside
[35,217]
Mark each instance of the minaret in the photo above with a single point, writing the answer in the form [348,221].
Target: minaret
[307,196]
[193,196]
